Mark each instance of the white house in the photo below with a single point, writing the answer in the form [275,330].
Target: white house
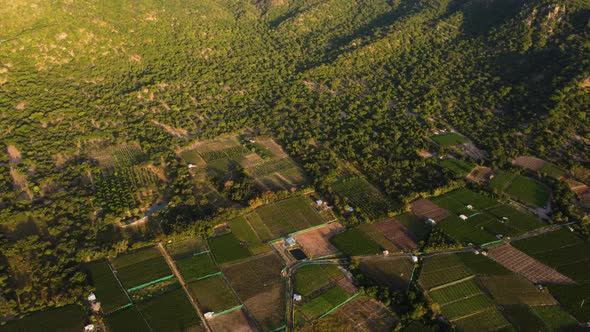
[209,315]
[296,297]
[463,217]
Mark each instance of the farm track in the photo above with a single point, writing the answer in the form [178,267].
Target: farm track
[180,279]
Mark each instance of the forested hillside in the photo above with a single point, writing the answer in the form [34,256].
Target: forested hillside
[357,82]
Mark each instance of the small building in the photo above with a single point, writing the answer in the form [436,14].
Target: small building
[470,207]
[89,328]
[191,166]
[485,253]
[385,252]
[350,209]
[289,242]
[431,221]
[570,228]
[463,217]
[319,202]
[499,236]
[209,315]
[477,252]
[251,141]
[296,297]
[91,298]
[414,258]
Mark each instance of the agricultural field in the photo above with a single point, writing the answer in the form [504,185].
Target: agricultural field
[354,242]
[457,201]
[526,266]
[525,319]
[182,247]
[235,320]
[316,242]
[213,294]
[510,289]
[170,312]
[227,248]
[362,314]
[457,167]
[489,320]
[449,139]
[416,225]
[312,278]
[242,229]
[391,235]
[107,289]
[461,299]
[481,265]
[442,269]
[552,170]
[69,318]
[140,267]
[522,188]
[192,157]
[424,208]
[277,174]
[469,231]
[555,318]
[127,319]
[195,266]
[260,286]
[364,198]
[480,174]
[393,272]
[530,163]
[323,303]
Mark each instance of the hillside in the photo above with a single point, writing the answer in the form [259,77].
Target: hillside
[103,97]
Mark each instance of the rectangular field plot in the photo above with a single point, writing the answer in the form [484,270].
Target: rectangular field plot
[449,139]
[508,290]
[458,168]
[107,289]
[457,201]
[522,221]
[140,267]
[277,174]
[524,319]
[242,229]
[396,233]
[555,318]
[552,170]
[489,320]
[128,319]
[192,157]
[312,278]
[365,198]
[467,306]
[186,246]
[442,269]
[394,272]
[466,231]
[316,242]
[69,318]
[573,298]
[481,265]
[529,191]
[235,320]
[417,226]
[213,294]
[424,208]
[272,216]
[361,314]
[456,292]
[300,213]
[259,227]
[323,303]
[195,266]
[354,242]
[227,248]
[171,312]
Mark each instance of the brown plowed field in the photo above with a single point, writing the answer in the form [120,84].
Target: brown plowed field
[362,314]
[480,174]
[526,266]
[395,232]
[234,321]
[316,242]
[426,209]
[532,163]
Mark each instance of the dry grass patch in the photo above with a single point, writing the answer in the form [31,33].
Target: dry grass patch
[316,242]
[14,154]
[234,321]
[424,208]
[532,163]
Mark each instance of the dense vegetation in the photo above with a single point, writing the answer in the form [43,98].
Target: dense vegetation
[337,82]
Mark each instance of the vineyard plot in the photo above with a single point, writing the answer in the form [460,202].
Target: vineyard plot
[364,198]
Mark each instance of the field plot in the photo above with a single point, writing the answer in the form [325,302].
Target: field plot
[186,246]
[213,294]
[449,139]
[524,265]
[461,299]
[195,266]
[227,248]
[312,278]
[275,149]
[277,174]
[457,201]
[562,250]
[529,191]
[323,303]
[171,312]
[362,314]
[365,198]
[442,269]
[528,162]
[481,265]
[242,229]
[469,231]
[128,319]
[221,149]
[508,290]
[141,267]
[391,235]
[480,174]
[555,318]
[552,170]
[521,221]
[455,292]
[394,272]
[300,213]
[192,157]
[525,319]
[490,320]
[574,298]
[69,318]
[233,321]
[424,208]
[316,242]
[107,289]
[354,242]
[457,167]
[416,225]
[259,285]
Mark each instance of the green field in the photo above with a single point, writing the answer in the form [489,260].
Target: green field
[278,223]
[467,306]
[452,293]
[574,299]
[353,242]
[489,320]
[227,248]
[108,291]
[449,139]
[186,246]
[457,201]
[193,266]
[442,269]
[140,267]
[529,191]
[170,312]
[481,265]
[259,227]
[246,234]
[458,168]
[394,273]
[213,294]
[365,198]
[191,157]
[524,319]
[311,278]
[555,318]
[69,318]
[324,302]
[522,221]
[511,289]
[416,225]
[468,231]
[502,180]
[552,170]
[300,212]
[128,319]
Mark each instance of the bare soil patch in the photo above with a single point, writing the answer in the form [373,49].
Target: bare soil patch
[480,174]
[19,182]
[268,308]
[395,232]
[250,160]
[13,154]
[361,314]
[424,154]
[316,242]
[526,266]
[177,132]
[528,162]
[235,321]
[424,208]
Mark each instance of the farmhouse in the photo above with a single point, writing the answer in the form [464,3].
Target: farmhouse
[463,217]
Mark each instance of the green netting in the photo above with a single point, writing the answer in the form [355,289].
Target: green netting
[309,229]
[452,283]
[150,283]
[209,275]
[228,310]
[341,304]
